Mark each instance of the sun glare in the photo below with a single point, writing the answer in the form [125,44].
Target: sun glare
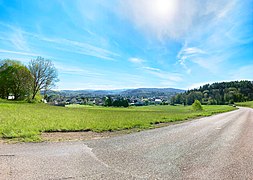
[164,9]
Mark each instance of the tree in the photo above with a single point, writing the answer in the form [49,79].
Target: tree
[108,101]
[120,102]
[21,81]
[4,89]
[192,96]
[15,79]
[125,103]
[44,75]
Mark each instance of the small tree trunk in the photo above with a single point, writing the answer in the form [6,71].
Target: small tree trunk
[33,96]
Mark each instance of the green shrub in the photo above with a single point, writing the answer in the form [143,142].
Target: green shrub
[38,98]
[196,106]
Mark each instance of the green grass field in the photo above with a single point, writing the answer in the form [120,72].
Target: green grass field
[245,104]
[25,122]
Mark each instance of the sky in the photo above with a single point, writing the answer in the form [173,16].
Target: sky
[123,44]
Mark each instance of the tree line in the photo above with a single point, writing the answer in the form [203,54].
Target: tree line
[120,102]
[217,93]
[25,82]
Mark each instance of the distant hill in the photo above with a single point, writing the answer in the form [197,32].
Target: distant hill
[151,92]
[141,92]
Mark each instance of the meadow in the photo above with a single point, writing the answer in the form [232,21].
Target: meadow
[245,104]
[25,122]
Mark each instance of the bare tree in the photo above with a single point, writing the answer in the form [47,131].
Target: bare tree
[44,75]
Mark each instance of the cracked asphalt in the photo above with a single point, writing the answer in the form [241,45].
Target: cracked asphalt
[216,147]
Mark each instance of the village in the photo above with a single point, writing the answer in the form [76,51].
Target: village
[101,101]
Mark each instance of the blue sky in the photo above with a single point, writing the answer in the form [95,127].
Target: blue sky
[119,44]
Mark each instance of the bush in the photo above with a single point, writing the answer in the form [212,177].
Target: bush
[37,99]
[196,106]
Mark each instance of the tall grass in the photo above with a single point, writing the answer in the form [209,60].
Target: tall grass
[27,121]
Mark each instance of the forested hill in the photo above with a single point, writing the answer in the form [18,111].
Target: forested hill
[217,93]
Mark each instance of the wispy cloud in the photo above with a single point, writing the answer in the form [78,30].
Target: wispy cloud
[204,28]
[18,52]
[80,48]
[164,75]
[15,35]
[18,40]
[19,36]
[216,39]
[187,53]
[175,18]
[151,69]
[74,70]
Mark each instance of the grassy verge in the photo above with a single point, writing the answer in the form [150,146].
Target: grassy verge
[245,104]
[25,122]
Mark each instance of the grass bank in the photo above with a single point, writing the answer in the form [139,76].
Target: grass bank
[25,122]
[245,104]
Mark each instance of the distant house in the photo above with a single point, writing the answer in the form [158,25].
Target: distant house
[44,101]
[158,101]
[139,103]
[11,97]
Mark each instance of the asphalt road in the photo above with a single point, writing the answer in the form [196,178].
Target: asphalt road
[217,147]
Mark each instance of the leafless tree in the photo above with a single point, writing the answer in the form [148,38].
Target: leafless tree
[44,75]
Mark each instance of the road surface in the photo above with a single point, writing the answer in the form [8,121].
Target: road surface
[216,147]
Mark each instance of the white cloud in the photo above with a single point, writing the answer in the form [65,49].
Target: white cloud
[136,60]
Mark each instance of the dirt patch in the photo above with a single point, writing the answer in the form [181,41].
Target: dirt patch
[89,135]
[2,141]
[75,136]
